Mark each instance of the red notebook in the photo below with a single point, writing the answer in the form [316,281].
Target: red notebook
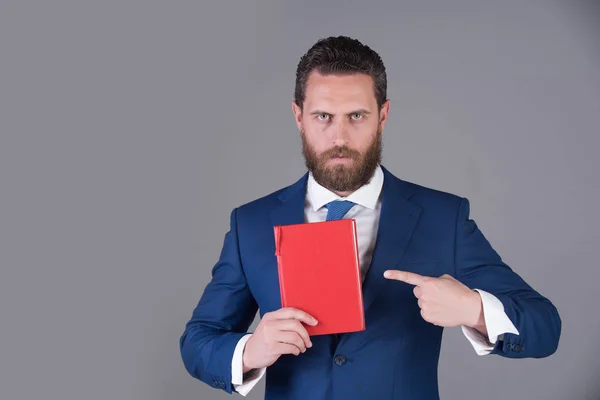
[319,272]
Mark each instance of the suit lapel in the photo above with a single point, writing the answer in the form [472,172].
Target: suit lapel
[291,209]
[397,222]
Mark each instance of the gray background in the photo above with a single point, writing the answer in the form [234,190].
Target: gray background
[130,129]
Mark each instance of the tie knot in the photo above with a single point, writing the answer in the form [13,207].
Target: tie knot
[337,209]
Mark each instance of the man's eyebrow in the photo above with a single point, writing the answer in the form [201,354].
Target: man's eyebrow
[359,111]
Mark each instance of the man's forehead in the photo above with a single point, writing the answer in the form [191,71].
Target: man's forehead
[350,83]
[335,91]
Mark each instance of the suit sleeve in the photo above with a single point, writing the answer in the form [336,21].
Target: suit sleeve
[222,317]
[478,266]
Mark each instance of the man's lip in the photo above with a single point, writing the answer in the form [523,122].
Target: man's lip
[341,158]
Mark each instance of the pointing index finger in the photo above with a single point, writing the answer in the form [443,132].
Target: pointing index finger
[405,276]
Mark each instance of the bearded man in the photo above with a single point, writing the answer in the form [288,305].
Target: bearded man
[424,264]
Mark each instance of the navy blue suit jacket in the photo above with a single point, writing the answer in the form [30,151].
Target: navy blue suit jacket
[421,230]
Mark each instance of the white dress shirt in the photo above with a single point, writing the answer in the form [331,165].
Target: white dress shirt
[366,212]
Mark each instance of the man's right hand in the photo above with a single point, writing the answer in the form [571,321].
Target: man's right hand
[278,332]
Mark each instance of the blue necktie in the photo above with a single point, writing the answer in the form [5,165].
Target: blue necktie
[337,209]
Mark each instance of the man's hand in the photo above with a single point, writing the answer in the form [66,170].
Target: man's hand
[444,301]
[278,332]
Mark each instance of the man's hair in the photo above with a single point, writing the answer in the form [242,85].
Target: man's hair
[341,55]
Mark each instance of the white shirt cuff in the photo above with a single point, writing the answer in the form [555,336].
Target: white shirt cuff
[496,321]
[243,384]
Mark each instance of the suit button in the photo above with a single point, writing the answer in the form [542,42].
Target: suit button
[340,359]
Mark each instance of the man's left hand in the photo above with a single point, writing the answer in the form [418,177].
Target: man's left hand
[444,301]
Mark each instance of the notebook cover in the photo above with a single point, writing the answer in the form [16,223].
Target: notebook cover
[319,272]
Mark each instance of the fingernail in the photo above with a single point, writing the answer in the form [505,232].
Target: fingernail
[309,344]
[314,321]
[387,274]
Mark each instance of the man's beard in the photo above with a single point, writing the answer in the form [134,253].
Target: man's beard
[341,177]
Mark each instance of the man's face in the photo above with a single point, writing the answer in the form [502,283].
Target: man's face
[340,126]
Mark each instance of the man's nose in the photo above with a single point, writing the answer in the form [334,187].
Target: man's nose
[340,133]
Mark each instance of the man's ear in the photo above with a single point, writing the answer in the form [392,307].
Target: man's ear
[383,113]
[297,114]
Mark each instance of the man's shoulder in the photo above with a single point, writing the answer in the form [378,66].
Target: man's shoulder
[268,201]
[429,196]
[434,201]
[428,192]
[263,201]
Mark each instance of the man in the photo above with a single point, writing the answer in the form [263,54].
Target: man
[425,265]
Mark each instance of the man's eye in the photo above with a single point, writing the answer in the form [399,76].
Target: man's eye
[357,116]
[323,117]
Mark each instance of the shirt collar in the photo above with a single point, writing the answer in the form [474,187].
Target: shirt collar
[367,195]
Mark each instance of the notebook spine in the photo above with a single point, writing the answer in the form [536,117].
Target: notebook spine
[359,289]
[277,240]
[279,264]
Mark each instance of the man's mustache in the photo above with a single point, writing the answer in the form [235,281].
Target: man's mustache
[340,152]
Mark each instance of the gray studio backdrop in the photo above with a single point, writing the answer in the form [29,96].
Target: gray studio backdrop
[130,129]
